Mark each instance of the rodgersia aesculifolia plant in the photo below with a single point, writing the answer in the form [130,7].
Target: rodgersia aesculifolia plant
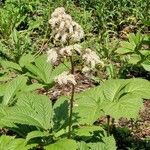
[66,33]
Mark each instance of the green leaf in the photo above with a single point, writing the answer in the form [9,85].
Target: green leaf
[31,109]
[87,106]
[43,71]
[40,105]
[61,112]
[35,134]
[108,143]
[118,101]
[25,59]
[146,65]
[88,130]
[32,87]
[117,98]
[10,143]
[12,88]
[139,87]
[63,144]
[134,59]
[9,64]
[82,146]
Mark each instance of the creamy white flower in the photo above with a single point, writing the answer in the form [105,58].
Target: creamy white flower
[66,51]
[91,58]
[52,55]
[64,38]
[77,48]
[65,78]
[64,28]
[58,11]
[86,69]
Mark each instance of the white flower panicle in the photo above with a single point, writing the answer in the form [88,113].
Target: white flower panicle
[64,28]
[55,53]
[52,55]
[91,58]
[65,78]
[68,50]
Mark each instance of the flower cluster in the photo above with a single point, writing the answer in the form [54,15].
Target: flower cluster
[54,53]
[65,78]
[91,59]
[64,28]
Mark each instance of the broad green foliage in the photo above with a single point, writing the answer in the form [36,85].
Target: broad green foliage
[29,112]
[132,45]
[35,134]
[36,68]
[117,98]
[135,51]
[63,144]
[43,71]
[107,143]
[24,59]
[10,143]
[14,87]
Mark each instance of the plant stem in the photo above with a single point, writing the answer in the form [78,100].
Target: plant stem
[71,100]
[71,111]
[108,125]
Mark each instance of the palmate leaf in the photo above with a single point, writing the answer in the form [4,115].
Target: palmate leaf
[31,109]
[12,88]
[88,106]
[63,144]
[10,143]
[117,98]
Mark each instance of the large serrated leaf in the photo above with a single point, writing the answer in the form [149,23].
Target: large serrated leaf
[12,88]
[63,144]
[117,98]
[10,143]
[88,130]
[31,109]
[35,134]
[25,59]
[44,71]
[61,114]
[40,104]
[107,143]
[10,65]
[87,106]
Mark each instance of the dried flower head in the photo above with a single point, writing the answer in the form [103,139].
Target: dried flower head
[65,78]
[64,28]
[52,55]
[91,58]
